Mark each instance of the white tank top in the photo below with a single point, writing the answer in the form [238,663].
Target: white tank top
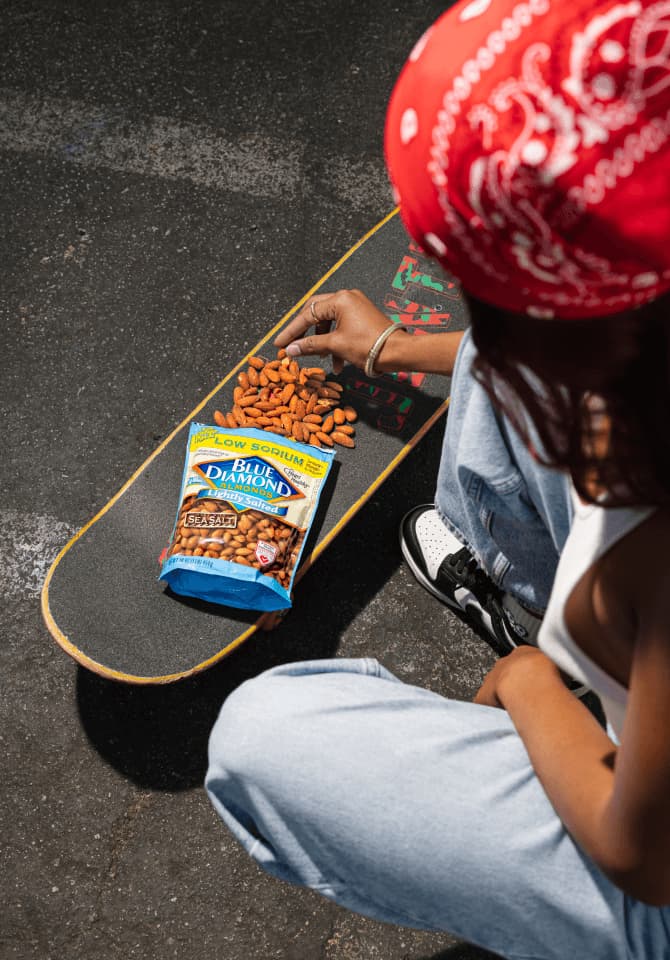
[593,531]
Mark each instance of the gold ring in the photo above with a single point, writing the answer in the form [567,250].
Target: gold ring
[313,312]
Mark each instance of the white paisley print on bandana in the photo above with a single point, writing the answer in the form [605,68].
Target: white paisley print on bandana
[534,137]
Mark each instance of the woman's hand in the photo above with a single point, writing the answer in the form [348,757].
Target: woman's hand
[523,669]
[347,325]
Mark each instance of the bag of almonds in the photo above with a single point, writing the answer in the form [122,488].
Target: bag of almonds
[247,502]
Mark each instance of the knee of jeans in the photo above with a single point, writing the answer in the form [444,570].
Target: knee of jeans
[250,719]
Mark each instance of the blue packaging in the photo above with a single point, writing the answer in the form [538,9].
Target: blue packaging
[248,499]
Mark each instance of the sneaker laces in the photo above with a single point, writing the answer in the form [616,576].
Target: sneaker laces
[470,574]
[489,596]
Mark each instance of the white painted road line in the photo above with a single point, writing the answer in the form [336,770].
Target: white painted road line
[96,136]
[31,543]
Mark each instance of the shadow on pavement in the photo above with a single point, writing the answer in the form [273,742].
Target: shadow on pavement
[157,735]
[462,951]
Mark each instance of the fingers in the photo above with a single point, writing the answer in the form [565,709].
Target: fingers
[345,324]
[303,320]
[310,346]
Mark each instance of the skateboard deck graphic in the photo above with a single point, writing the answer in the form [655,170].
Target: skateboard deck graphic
[102,601]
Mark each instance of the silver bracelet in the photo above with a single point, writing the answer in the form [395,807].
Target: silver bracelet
[376,348]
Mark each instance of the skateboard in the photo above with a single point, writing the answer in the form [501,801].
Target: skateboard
[102,601]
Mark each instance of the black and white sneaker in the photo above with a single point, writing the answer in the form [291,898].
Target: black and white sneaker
[448,570]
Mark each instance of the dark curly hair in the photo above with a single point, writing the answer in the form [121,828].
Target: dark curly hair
[595,393]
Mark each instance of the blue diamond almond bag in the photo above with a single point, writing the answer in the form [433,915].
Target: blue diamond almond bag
[248,499]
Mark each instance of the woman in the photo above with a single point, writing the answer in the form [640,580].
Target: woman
[529,150]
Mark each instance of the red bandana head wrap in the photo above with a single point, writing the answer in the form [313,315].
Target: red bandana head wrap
[528,144]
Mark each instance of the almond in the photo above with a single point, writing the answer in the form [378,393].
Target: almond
[343,439]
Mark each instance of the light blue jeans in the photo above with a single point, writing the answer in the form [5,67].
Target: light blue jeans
[411,808]
[513,513]
[416,810]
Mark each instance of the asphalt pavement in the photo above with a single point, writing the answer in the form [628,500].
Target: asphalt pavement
[173,177]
